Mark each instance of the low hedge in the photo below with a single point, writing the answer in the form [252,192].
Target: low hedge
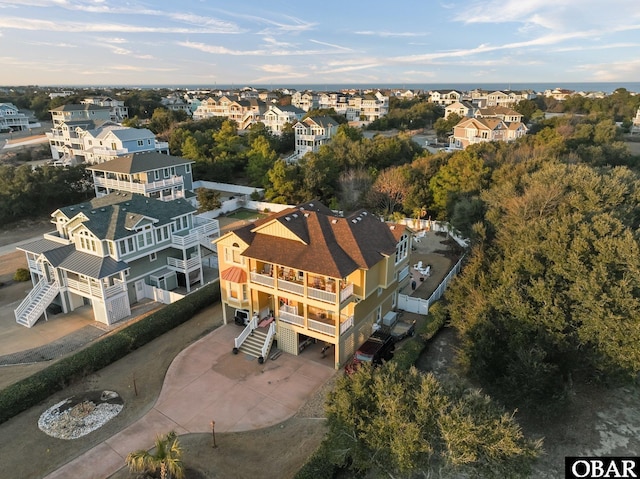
[30,391]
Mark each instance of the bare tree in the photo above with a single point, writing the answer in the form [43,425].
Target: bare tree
[390,189]
[353,185]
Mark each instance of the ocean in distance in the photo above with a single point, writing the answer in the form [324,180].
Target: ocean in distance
[606,87]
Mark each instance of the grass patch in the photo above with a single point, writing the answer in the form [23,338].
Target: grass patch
[243,214]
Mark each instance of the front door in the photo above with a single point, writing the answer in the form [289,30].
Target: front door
[140,290]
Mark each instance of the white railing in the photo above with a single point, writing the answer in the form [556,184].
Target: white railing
[114,290]
[328,329]
[162,145]
[346,325]
[267,342]
[263,279]
[322,295]
[184,265]
[136,187]
[203,229]
[253,324]
[34,266]
[291,287]
[346,292]
[91,289]
[31,307]
[110,151]
[291,318]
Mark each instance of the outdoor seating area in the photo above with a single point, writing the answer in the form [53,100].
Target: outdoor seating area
[423,270]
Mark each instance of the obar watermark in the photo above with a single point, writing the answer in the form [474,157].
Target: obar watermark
[601,467]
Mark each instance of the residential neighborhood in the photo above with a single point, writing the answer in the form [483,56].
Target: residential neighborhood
[306,225]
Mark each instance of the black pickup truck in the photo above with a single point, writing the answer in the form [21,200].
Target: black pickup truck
[378,348]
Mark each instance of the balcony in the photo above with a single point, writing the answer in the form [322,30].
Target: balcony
[134,187]
[263,279]
[110,151]
[291,287]
[94,289]
[183,265]
[288,314]
[203,230]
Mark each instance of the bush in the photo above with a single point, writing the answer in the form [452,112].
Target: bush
[30,391]
[22,275]
[319,465]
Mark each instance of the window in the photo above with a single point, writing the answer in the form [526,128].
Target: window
[187,168]
[114,146]
[233,292]
[152,257]
[173,171]
[166,172]
[148,142]
[140,142]
[156,175]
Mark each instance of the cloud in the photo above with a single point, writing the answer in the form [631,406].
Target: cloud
[613,71]
[52,44]
[138,68]
[222,50]
[392,34]
[18,23]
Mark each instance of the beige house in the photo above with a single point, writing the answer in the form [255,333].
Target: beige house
[306,274]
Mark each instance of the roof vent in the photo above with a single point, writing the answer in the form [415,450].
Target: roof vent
[295,215]
[334,221]
[306,215]
[81,206]
[93,212]
[311,204]
[102,209]
[354,221]
[288,218]
[72,209]
[130,217]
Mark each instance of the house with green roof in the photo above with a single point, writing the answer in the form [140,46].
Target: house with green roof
[114,251]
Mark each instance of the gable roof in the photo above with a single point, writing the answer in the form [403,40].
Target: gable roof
[140,162]
[326,244]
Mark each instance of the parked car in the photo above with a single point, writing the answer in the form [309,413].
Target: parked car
[242,317]
[378,348]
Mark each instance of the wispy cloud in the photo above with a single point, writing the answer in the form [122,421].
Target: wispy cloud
[137,68]
[52,44]
[392,34]
[613,71]
[17,23]
[222,50]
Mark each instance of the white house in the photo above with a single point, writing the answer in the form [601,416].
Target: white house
[312,133]
[276,117]
[113,251]
[117,109]
[11,119]
[110,141]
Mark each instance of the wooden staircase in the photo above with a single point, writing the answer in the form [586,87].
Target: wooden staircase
[34,305]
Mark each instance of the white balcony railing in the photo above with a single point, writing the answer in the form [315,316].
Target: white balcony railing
[319,326]
[134,187]
[291,287]
[184,265]
[346,292]
[346,325]
[204,229]
[322,295]
[291,318]
[263,279]
[94,290]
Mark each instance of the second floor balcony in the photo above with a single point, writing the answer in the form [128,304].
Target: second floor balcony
[134,186]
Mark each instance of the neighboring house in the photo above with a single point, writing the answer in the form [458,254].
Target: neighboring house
[151,174]
[636,122]
[276,117]
[505,114]
[559,94]
[69,121]
[477,130]
[111,252]
[11,119]
[369,107]
[86,134]
[444,97]
[243,112]
[110,141]
[118,111]
[174,102]
[305,100]
[460,108]
[312,133]
[306,274]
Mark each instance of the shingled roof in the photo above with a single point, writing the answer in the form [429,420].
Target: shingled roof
[111,216]
[140,162]
[326,244]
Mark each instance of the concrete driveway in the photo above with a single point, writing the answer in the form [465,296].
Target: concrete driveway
[205,383]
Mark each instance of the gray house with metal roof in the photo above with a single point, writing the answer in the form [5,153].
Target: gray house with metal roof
[113,251]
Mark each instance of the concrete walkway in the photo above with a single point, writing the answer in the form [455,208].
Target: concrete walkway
[205,383]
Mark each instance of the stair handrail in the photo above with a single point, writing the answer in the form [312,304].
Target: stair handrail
[268,340]
[253,324]
[50,289]
[40,285]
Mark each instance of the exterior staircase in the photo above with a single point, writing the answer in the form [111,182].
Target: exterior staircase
[255,343]
[36,302]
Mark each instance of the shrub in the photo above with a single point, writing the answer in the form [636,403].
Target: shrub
[30,391]
[319,465]
[22,275]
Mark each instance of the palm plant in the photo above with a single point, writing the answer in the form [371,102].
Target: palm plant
[167,457]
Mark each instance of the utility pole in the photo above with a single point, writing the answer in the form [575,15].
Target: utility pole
[213,433]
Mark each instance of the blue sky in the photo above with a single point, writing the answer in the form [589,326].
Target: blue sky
[251,42]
